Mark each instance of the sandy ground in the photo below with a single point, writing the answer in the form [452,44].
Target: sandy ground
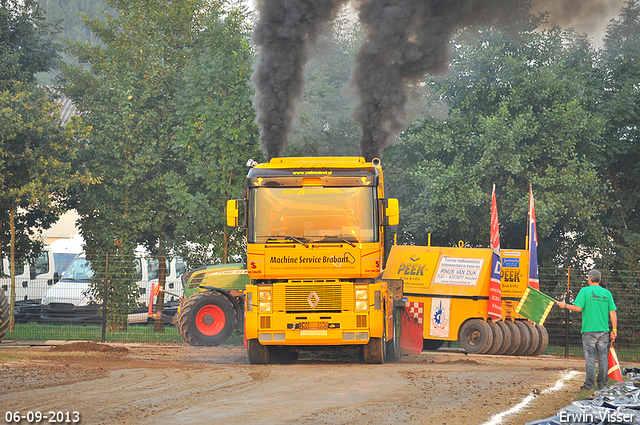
[158,384]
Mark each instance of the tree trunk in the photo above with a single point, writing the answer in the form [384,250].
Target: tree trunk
[12,301]
[162,280]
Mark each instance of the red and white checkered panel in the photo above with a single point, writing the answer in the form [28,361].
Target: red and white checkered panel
[415,310]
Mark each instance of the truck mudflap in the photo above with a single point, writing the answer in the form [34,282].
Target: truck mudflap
[411,328]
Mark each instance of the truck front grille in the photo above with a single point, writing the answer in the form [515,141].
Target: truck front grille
[317,296]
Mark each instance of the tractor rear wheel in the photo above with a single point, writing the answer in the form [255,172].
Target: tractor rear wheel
[206,318]
[4,315]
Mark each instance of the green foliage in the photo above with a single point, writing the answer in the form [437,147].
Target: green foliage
[617,152]
[518,115]
[27,42]
[126,89]
[218,136]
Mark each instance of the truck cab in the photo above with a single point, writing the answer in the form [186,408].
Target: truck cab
[315,249]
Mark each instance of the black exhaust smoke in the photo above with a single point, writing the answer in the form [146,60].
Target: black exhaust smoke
[283,32]
[406,40]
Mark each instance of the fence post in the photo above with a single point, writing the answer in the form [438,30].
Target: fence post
[567,299]
[104,300]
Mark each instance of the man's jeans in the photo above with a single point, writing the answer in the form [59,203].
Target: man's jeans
[596,343]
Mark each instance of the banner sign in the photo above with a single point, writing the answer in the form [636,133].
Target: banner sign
[458,271]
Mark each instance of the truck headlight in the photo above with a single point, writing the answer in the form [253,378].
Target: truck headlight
[361,294]
[362,305]
[265,307]
[265,295]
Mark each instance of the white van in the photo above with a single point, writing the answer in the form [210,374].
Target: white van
[69,299]
[32,280]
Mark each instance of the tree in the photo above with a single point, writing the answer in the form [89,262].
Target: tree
[216,138]
[126,88]
[35,150]
[617,152]
[518,114]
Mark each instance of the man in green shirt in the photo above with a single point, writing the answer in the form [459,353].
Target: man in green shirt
[597,307]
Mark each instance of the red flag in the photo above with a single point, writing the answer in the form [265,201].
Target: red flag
[614,365]
[534,280]
[494,308]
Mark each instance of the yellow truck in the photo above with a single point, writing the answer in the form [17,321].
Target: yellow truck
[320,278]
[315,250]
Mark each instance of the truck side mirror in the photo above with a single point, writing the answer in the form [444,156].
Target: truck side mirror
[392,211]
[232,213]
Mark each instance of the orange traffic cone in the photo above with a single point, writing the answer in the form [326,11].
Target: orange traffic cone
[614,365]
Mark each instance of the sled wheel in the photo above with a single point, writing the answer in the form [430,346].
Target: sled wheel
[535,338]
[544,340]
[525,338]
[498,337]
[206,318]
[506,337]
[515,338]
[257,353]
[476,336]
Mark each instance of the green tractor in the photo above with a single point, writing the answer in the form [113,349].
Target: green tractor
[213,303]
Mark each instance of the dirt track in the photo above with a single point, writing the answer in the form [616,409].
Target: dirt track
[153,384]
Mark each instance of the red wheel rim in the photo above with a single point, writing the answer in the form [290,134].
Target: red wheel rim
[210,320]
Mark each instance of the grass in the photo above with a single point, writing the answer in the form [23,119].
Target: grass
[134,333]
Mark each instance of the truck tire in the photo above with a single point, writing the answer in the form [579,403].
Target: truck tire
[374,351]
[535,338]
[496,343]
[544,340]
[515,338]
[206,318]
[525,338]
[4,315]
[476,336]
[506,337]
[257,353]
[432,344]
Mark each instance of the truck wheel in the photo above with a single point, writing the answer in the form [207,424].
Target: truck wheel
[515,338]
[206,318]
[373,352]
[496,343]
[432,344]
[257,353]
[4,315]
[525,338]
[476,336]
[535,338]
[506,337]
[544,340]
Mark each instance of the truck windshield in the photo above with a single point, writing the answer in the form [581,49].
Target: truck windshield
[78,270]
[312,214]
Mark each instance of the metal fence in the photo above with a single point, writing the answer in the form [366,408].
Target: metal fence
[564,335]
[60,317]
